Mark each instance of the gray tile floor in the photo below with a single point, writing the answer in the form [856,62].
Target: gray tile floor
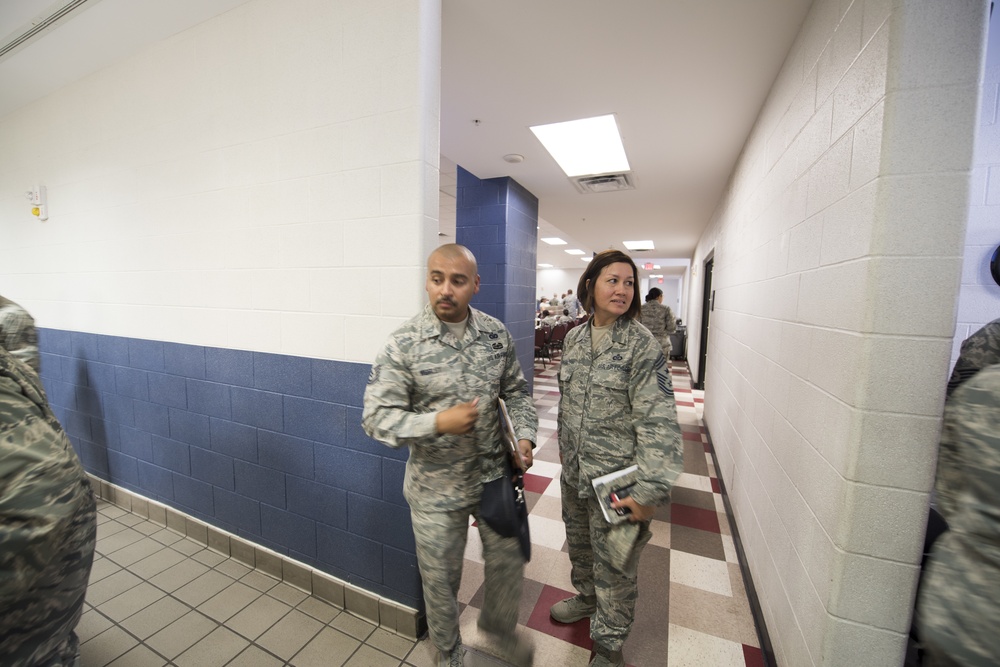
[158,598]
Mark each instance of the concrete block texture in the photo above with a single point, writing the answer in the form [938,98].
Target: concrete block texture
[856,182]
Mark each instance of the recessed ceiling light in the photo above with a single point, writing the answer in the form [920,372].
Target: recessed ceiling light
[574,251]
[513,158]
[585,146]
[586,259]
[638,245]
[554,240]
[655,275]
[656,266]
[545,266]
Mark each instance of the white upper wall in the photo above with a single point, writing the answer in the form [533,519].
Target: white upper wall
[265,180]
[837,260]
[557,281]
[979,299]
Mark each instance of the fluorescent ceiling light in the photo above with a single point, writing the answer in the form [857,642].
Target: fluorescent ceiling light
[585,146]
[575,252]
[545,266]
[655,275]
[638,245]
[586,259]
[554,240]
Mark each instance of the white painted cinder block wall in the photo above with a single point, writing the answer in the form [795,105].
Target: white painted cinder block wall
[266,180]
[837,264]
[979,298]
[557,281]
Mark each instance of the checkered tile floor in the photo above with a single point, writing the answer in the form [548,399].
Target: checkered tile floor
[159,599]
[692,608]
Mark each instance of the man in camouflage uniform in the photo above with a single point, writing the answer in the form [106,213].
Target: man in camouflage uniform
[17,333]
[47,527]
[572,304]
[434,389]
[958,612]
[616,409]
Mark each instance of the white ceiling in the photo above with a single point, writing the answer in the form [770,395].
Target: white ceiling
[685,78]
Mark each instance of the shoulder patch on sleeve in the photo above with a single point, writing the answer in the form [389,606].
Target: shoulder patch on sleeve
[373,376]
[663,380]
[661,362]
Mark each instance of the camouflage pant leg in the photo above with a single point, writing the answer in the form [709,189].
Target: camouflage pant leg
[957,614]
[665,343]
[504,577]
[440,539]
[616,589]
[38,629]
[576,518]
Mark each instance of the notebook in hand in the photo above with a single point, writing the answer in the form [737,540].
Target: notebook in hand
[615,486]
[509,438]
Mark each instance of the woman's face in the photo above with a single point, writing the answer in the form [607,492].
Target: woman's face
[613,292]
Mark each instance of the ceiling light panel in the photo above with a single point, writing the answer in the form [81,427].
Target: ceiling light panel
[638,245]
[585,146]
[554,240]
[575,251]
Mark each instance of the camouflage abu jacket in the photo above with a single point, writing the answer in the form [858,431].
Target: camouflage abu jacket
[42,484]
[659,319]
[957,608]
[423,370]
[617,408]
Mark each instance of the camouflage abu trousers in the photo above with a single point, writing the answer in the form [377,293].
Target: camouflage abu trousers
[593,574]
[37,628]
[441,538]
[665,343]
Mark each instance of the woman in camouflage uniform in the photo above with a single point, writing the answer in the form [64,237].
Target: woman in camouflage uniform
[616,409]
[659,319]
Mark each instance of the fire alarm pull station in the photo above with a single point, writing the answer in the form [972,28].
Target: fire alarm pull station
[39,204]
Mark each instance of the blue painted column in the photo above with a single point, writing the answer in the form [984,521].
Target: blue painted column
[497,219]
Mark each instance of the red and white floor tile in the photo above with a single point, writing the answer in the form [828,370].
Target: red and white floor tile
[692,607]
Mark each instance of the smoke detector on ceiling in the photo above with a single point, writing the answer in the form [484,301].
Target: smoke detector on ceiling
[603,183]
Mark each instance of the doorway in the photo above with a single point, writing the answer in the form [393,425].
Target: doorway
[707,305]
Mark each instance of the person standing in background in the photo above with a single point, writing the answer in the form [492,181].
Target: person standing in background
[659,319]
[616,409]
[18,335]
[572,304]
[48,527]
[434,388]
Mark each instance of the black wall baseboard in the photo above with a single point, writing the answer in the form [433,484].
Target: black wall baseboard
[762,636]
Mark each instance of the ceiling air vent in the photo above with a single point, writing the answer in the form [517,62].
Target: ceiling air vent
[603,183]
[42,23]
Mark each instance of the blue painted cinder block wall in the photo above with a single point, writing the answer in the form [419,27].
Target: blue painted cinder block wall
[266,446]
[497,219]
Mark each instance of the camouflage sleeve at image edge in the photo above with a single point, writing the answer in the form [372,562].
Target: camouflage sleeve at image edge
[18,335]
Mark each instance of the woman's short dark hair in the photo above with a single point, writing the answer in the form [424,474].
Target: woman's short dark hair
[653,294]
[593,270]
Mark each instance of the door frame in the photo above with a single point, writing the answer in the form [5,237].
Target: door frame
[707,306]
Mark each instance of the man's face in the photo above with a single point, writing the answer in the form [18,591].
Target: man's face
[451,283]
